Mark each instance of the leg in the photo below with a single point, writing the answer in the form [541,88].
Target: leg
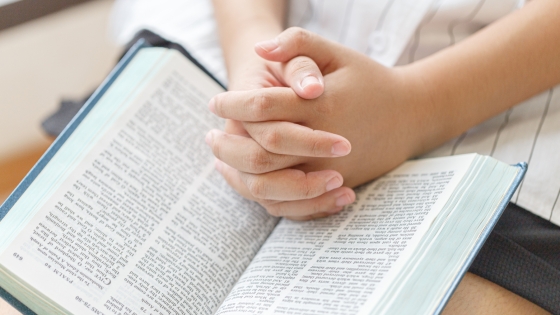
[476,295]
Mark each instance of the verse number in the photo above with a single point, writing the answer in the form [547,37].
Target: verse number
[18,256]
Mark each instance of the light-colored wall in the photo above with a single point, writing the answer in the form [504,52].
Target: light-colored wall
[66,54]
[4,2]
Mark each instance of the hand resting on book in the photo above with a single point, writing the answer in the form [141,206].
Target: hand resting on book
[285,164]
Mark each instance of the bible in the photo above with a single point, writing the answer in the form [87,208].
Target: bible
[125,214]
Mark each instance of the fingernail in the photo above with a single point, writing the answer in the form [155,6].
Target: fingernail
[340,148]
[268,45]
[209,137]
[343,200]
[212,105]
[308,80]
[335,210]
[218,165]
[334,183]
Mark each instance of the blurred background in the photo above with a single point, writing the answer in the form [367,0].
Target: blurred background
[49,50]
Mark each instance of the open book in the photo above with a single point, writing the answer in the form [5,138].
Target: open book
[126,215]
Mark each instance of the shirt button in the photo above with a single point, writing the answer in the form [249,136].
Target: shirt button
[378,42]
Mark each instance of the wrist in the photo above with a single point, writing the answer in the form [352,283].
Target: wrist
[425,128]
[251,74]
[240,53]
[238,45]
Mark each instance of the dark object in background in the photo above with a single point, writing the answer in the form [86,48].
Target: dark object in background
[55,123]
[22,11]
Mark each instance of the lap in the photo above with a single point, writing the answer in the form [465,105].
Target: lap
[521,256]
[476,295]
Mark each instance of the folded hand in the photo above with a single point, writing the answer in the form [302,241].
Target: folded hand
[298,155]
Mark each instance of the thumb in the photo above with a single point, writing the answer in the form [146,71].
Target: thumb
[304,77]
[295,42]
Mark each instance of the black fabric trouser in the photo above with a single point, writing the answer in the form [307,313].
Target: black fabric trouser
[522,255]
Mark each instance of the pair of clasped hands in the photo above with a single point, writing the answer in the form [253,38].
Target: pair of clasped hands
[308,120]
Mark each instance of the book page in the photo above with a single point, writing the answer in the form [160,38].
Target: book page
[144,224]
[334,265]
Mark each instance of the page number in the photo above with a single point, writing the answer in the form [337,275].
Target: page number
[18,256]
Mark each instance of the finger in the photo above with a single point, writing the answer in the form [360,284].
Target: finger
[232,177]
[236,128]
[276,103]
[303,75]
[287,138]
[291,184]
[296,41]
[330,202]
[246,155]
[314,216]
[327,204]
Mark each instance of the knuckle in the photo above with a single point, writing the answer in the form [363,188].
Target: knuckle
[257,161]
[257,187]
[316,147]
[299,35]
[301,64]
[271,139]
[261,105]
[327,106]
[315,207]
[307,188]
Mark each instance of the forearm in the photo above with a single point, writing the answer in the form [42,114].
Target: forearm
[503,64]
[241,24]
